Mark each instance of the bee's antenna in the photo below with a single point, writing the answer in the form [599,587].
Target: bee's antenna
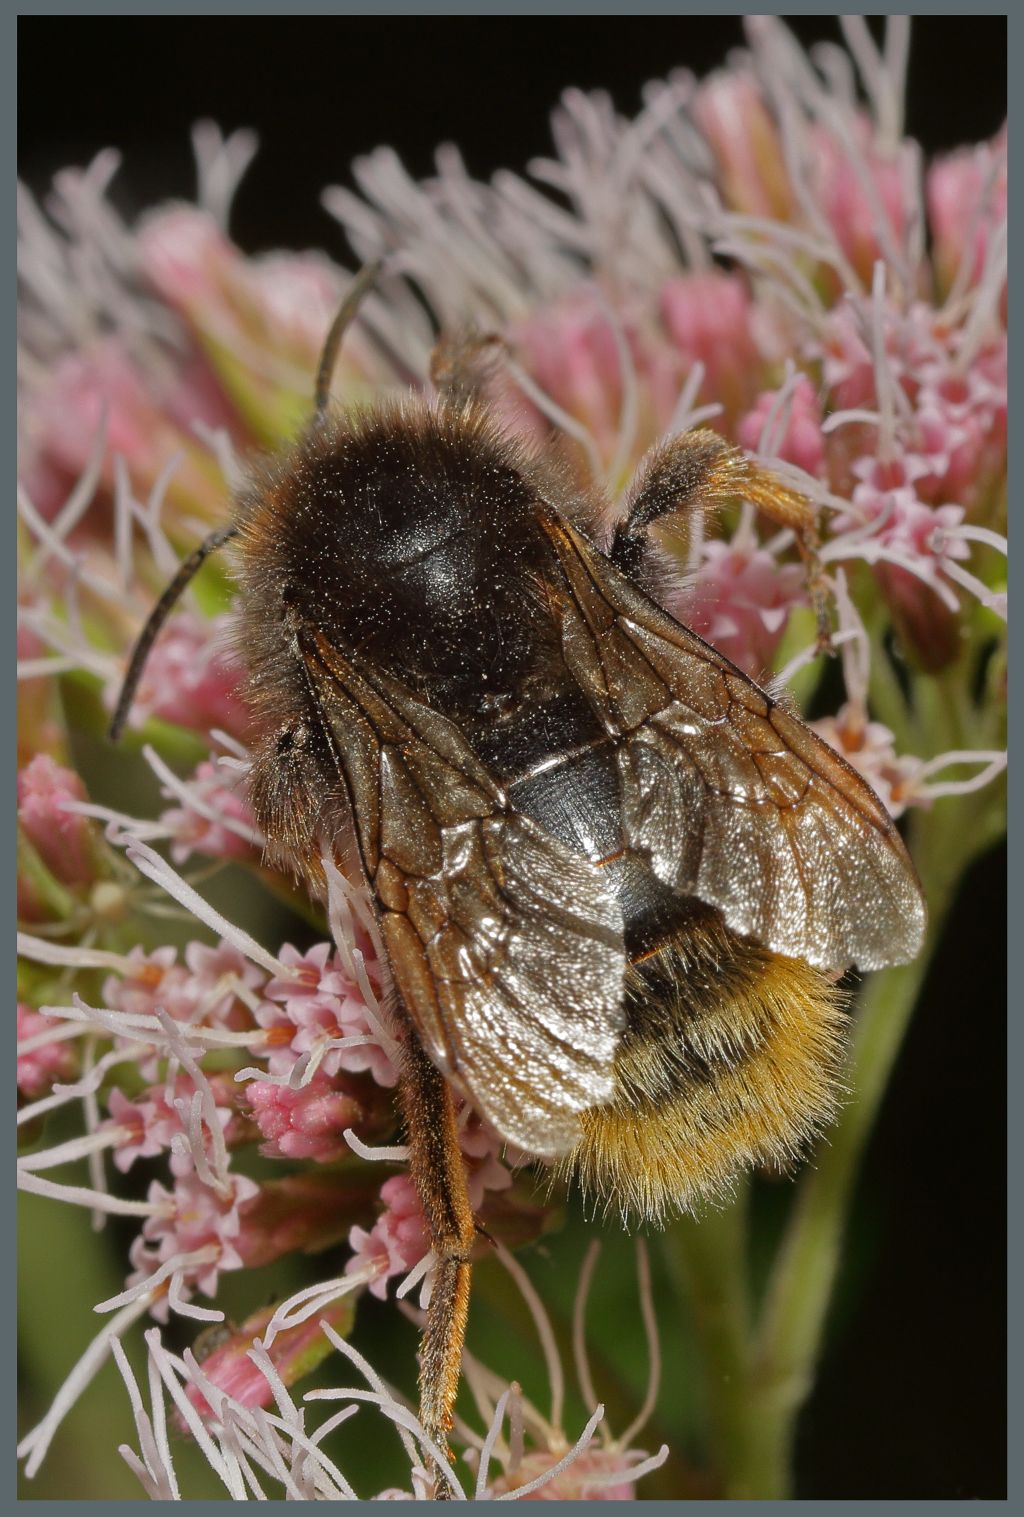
[159,614]
[358,289]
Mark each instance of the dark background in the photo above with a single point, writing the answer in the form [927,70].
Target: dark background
[912,1395]
[322,91]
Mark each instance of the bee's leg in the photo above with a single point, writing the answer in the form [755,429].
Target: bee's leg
[463,363]
[699,471]
[439,1172]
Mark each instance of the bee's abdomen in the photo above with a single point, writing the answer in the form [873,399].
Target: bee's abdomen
[730,1059]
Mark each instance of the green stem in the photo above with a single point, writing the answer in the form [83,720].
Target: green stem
[708,1254]
[51,894]
[792,1323]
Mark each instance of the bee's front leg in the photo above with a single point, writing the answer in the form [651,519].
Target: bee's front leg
[439,1172]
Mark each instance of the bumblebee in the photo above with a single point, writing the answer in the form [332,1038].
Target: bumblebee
[615,880]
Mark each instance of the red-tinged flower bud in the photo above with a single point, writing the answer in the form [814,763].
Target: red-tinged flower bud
[307,1123]
[709,319]
[63,850]
[966,196]
[929,630]
[294,1353]
[305,1212]
[52,1060]
[731,113]
[790,430]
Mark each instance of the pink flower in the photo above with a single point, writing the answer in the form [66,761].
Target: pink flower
[913,340]
[186,256]
[400,1238]
[800,440]
[276,307]
[40,1068]
[229,833]
[870,748]
[321,1004]
[741,601]
[307,1123]
[144,427]
[709,318]
[294,1352]
[960,423]
[855,199]
[194,1217]
[966,196]
[210,988]
[572,350]
[886,495]
[153,1119]
[191,678]
[63,839]
[481,1147]
[155,980]
[397,1241]
[731,113]
[596,1474]
[218,977]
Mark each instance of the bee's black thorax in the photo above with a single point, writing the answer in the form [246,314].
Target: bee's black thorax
[410,537]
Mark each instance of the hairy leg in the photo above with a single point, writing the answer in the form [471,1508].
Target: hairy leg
[700,471]
[439,1173]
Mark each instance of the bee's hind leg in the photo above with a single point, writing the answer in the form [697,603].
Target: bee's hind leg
[700,471]
[439,1172]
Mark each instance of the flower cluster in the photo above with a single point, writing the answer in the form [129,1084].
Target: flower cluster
[762,251]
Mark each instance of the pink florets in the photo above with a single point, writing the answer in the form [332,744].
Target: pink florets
[280,301]
[742,600]
[886,497]
[319,1005]
[209,969]
[590,1477]
[400,1238]
[573,352]
[217,790]
[730,111]
[66,416]
[795,432]
[41,1067]
[855,199]
[155,980]
[966,195]
[709,319]
[152,1120]
[481,1147]
[192,1217]
[397,1241]
[189,992]
[870,748]
[186,256]
[210,988]
[190,678]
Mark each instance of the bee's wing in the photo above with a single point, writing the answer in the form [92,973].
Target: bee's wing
[728,796]
[506,947]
